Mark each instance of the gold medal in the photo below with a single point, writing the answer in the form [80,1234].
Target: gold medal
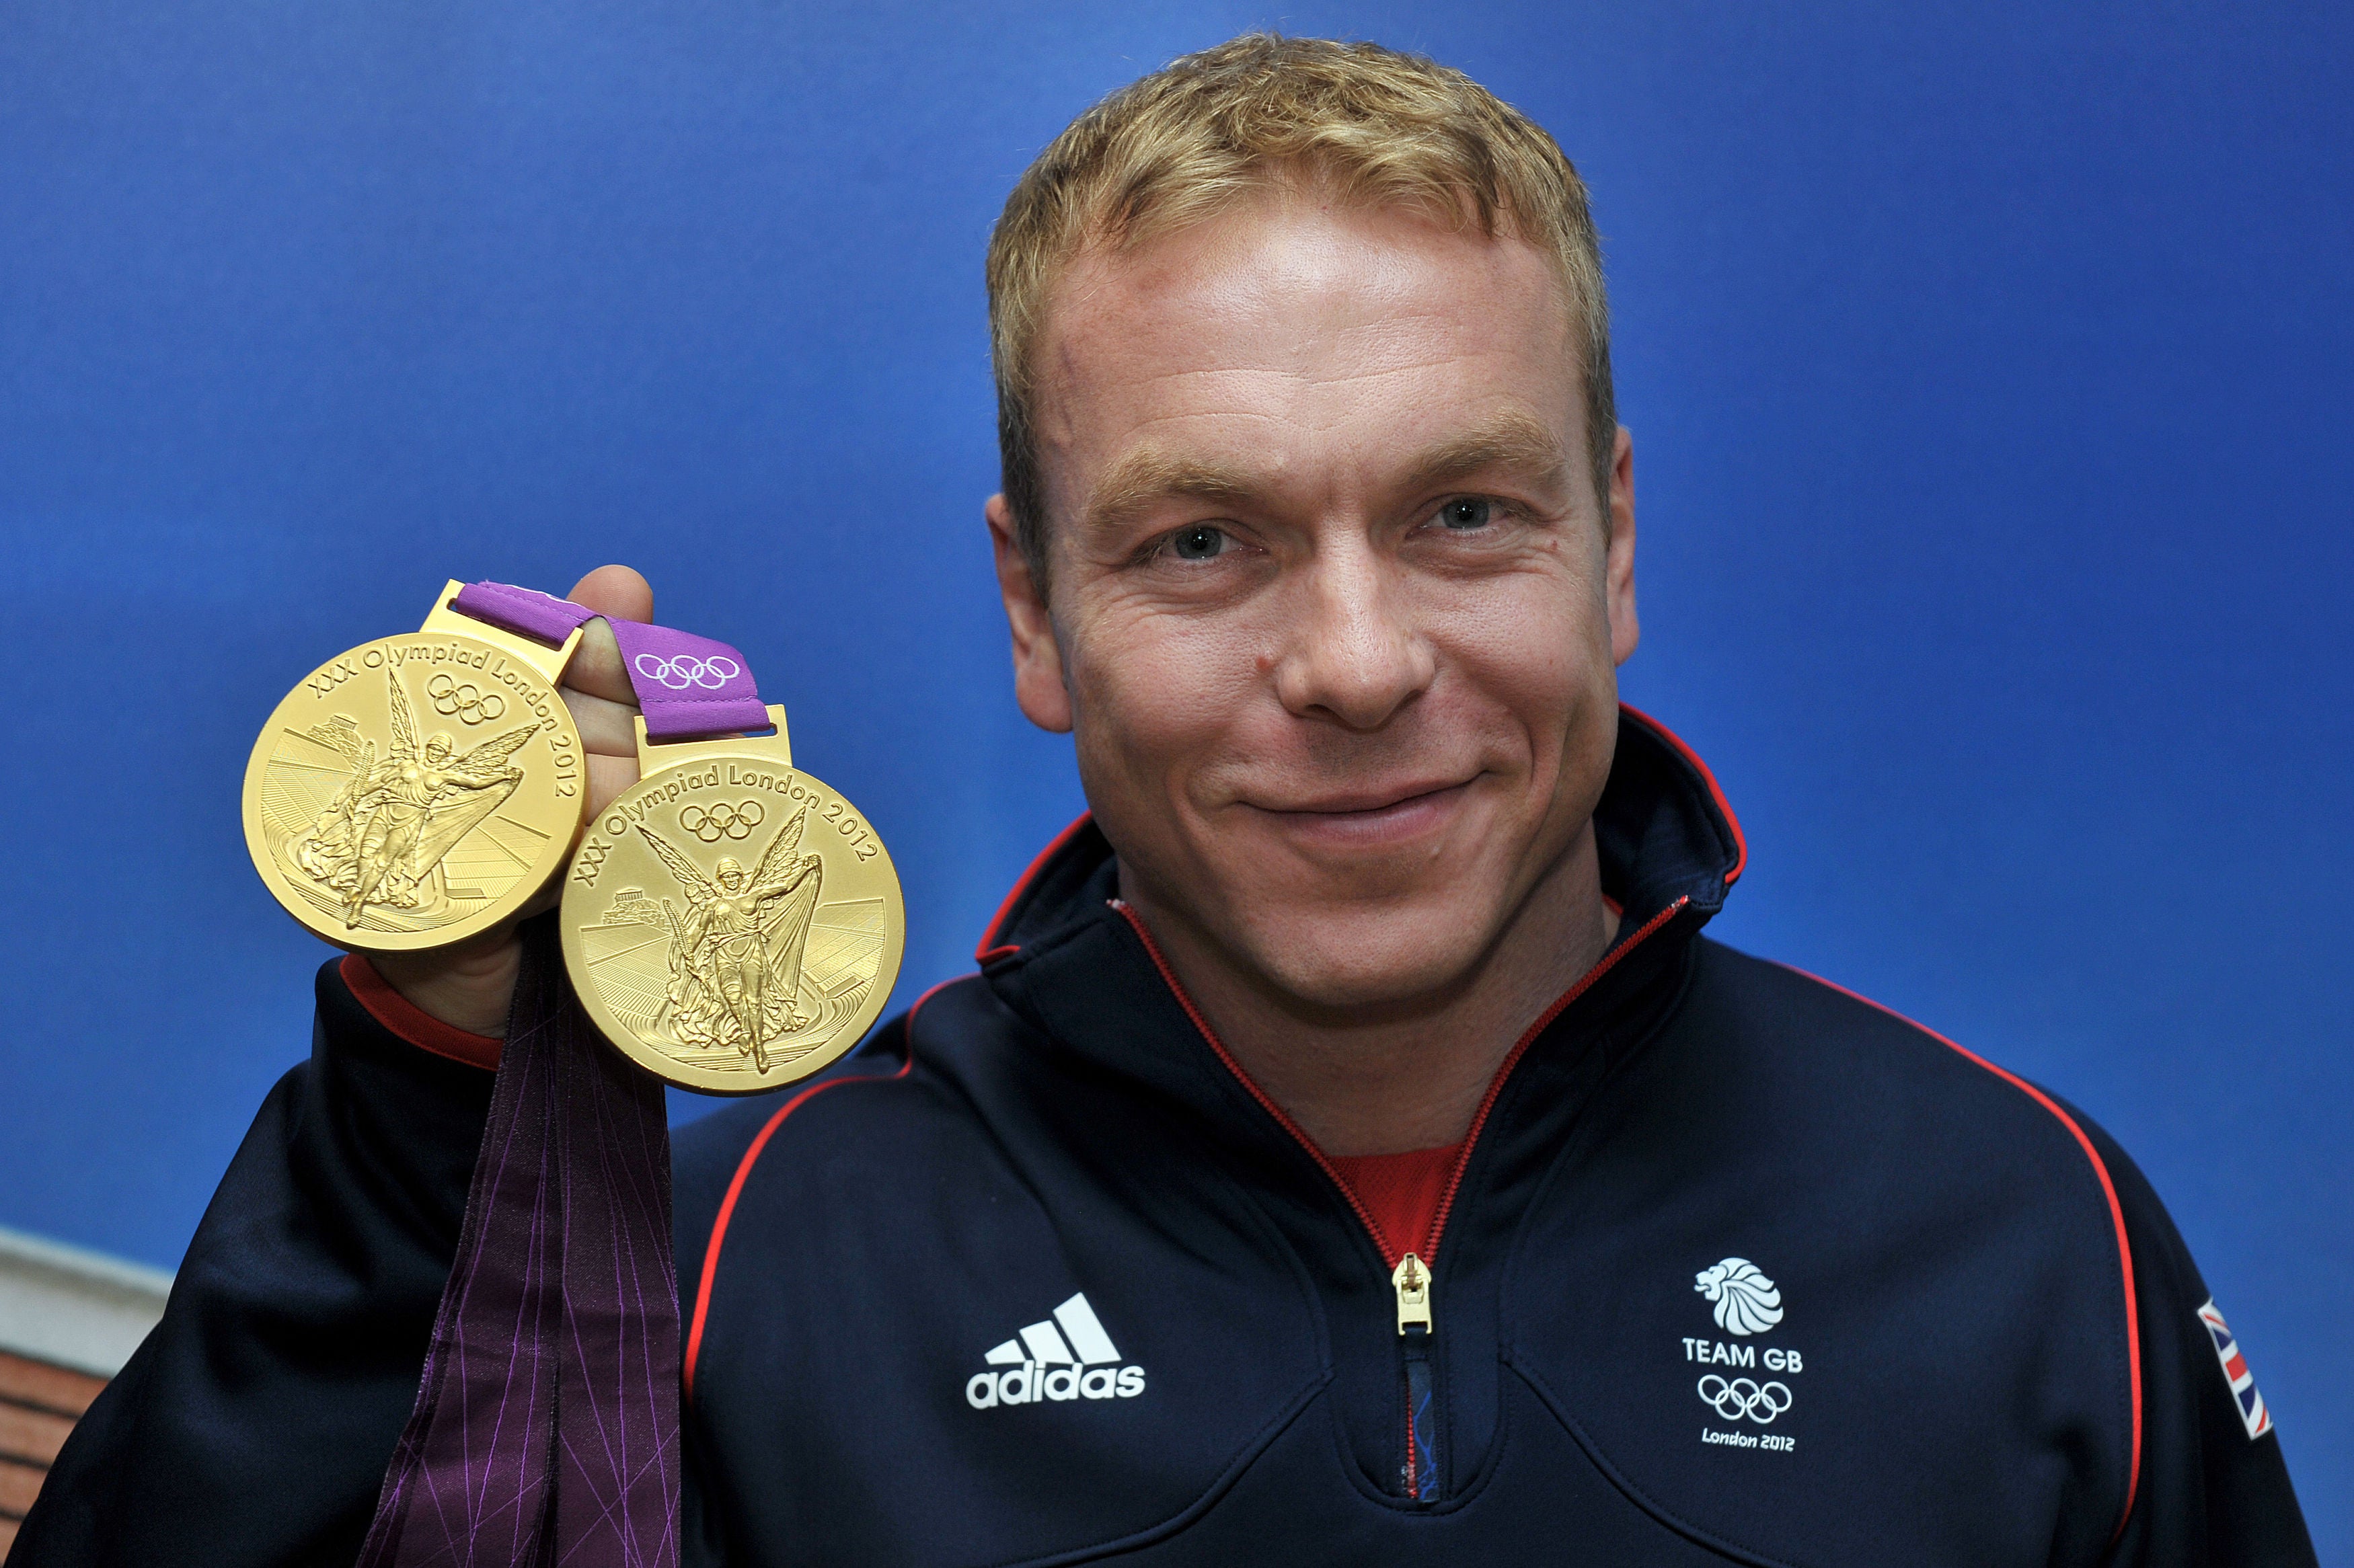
[730,922]
[420,789]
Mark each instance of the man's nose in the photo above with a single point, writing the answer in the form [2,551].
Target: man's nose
[1352,651]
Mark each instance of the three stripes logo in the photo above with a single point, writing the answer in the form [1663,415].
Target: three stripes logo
[2252,1414]
[1065,1356]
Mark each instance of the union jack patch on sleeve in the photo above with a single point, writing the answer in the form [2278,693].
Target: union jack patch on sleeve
[2252,1414]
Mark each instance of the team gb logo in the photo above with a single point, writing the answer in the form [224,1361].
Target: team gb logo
[1746,1301]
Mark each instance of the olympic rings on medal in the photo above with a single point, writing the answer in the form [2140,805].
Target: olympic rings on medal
[464,702]
[1742,1397]
[683,670]
[710,823]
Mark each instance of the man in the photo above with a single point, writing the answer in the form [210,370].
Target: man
[1350,1151]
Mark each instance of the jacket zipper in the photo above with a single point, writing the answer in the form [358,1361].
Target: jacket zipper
[1410,1278]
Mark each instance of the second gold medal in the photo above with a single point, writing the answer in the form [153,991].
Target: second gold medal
[732,922]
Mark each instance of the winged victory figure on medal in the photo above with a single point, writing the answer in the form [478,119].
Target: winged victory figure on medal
[382,836]
[736,954]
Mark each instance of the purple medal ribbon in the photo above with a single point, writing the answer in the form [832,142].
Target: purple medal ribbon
[685,684]
[546,1428]
[547,1423]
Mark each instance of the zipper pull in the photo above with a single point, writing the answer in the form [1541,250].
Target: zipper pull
[1412,1282]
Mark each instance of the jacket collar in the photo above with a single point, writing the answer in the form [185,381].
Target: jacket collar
[1064,955]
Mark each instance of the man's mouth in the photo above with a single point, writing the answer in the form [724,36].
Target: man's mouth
[1369,817]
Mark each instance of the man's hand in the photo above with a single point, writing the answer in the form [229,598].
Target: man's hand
[469,986]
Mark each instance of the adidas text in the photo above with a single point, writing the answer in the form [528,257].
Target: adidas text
[1065,1356]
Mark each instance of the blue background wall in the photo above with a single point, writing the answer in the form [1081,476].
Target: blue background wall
[1989,367]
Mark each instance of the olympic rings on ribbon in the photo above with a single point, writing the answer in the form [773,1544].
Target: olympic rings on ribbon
[464,702]
[683,670]
[710,823]
[1742,1397]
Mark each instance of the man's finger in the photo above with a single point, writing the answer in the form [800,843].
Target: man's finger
[607,777]
[605,727]
[597,668]
[615,590]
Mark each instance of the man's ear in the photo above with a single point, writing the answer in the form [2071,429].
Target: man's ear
[1618,572]
[1037,657]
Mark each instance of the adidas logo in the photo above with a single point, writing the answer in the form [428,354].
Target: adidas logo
[1066,1356]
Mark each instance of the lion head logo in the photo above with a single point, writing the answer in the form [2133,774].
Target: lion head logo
[1746,1301]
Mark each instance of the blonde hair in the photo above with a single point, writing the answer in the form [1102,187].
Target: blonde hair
[1366,124]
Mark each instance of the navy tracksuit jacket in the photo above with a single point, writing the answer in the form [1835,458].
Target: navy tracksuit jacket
[1737,1267]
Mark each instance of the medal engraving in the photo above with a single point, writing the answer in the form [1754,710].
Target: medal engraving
[731,922]
[416,790]
[382,840]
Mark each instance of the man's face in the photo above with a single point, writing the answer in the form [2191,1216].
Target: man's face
[1335,611]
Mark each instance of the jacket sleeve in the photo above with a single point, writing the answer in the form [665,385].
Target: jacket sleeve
[2208,1494]
[254,1425]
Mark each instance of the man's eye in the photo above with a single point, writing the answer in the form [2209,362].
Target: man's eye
[1199,542]
[1466,512]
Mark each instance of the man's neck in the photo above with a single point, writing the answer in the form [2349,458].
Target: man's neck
[1410,1076]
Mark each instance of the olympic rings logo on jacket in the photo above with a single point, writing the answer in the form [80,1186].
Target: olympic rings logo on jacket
[1742,1397]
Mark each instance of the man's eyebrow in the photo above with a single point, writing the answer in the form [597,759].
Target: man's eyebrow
[1512,440]
[1143,478]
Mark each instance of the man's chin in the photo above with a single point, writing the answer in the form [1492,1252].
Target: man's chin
[1337,968]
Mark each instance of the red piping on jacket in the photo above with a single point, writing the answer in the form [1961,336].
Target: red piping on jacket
[988,947]
[743,1171]
[2109,1189]
[1495,1084]
[1715,793]
[1268,1106]
[408,1022]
